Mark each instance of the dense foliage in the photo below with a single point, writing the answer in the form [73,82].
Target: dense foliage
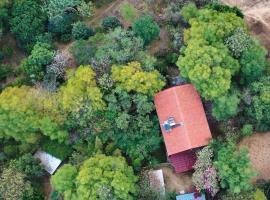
[99,177]
[87,96]
[27,22]
[206,61]
[81,31]
[146,28]
[133,78]
[234,168]
[35,65]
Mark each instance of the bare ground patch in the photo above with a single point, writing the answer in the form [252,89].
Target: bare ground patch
[259,153]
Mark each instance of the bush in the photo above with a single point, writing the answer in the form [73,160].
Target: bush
[234,168]
[111,22]
[5,71]
[35,65]
[247,130]
[62,24]
[224,8]
[253,62]
[128,12]
[226,107]
[11,151]
[83,51]
[8,51]
[81,31]
[58,150]
[146,28]
[238,42]
[28,165]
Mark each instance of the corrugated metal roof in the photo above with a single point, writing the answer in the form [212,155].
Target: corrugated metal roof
[49,162]
[190,196]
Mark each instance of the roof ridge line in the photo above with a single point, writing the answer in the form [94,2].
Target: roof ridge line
[181,113]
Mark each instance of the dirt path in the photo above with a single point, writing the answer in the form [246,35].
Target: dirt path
[161,44]
[259,153]
[104,12]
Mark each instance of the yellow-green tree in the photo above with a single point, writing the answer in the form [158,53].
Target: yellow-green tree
[99,177]
[25,117]
[206,61]
[81,88]
[132,78]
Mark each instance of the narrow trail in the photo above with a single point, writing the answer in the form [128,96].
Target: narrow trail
[103,12]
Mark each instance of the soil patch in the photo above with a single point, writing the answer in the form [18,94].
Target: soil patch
[176,182]
[259,153]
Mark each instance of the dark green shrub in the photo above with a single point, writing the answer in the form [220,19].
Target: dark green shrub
[66,37]
[27,22]
[111,22]
[8,51]
[62,24]
[253,63]
[81,31]
[5,71]
[58,150]
[146,28]
[224,8]
[28,165]
[11,151]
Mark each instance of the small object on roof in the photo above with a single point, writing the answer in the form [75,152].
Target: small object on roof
[169,124]
[157,181]
[49,162]
[191,196]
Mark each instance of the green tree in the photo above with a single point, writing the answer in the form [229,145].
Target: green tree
[27,22]
[29,165]
[81,89]
[209,68]
[133,126]
[99,177]
[253,62]
[81,31]
[61,25]
[101,173]
[24,115]
[59,7]
[13,185]
[63,179]
[234,168]
[35,65]
[226,107]
[146,28]
[133,78]
[206,61]
[258,112]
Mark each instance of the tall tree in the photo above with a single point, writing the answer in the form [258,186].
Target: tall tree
[27,22]
[99,177]
[81,89]
[13,185]
[133,78]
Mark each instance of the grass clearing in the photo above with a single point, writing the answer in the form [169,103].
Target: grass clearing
[128,12]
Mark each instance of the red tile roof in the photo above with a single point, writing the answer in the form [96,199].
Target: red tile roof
[184,104]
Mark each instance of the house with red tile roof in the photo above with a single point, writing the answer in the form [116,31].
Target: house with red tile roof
[183,124]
